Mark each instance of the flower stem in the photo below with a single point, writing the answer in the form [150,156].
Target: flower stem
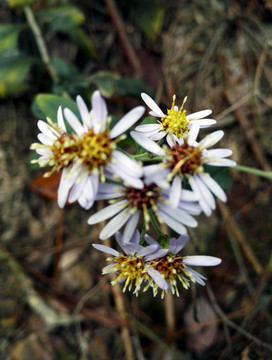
[154,223]
[253,171]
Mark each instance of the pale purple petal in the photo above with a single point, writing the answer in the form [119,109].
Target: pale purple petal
[175,192]
[158,278]
[202,260]
[172,223]
[159,253]
[107,212]
[106,249]
[115,224]
[198,277]
[145,251]
[175,245]
[131,227]
[127,164]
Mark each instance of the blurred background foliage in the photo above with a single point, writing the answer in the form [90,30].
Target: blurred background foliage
[54,303]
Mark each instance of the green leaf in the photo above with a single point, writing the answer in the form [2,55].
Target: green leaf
[14,68]
[9,36]
[105,83]
[82,41]
[46,105]
[62,18]
[20,3]
[129,86]
[270,262]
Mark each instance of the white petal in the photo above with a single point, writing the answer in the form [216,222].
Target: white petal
[153,106]
[172,223]
[147,144]
[45,139]
[205,206]
[148,128]
[158,278]
[193,134]
[221,162]
[84,112]
[135,237]
[175,191]
[130,166]
[61,120]
[99,112]
[74,122]
[219,153]
[199,115]
[78,188]
[202,260]
[44,151]
[203,123]
[133,181]
[130,227]
[150,240]
[115,224]
[211,139]
[127,121]
[107,212]
[205,192]
[47,130]
[179,215]
[170,140]
[106,249]
[214,187]
[158,135]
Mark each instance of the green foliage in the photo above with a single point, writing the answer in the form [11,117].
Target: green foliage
[147,15]
[109,83]
[46,105]
[20,3]
[270,263]
[9,36]
[14,68]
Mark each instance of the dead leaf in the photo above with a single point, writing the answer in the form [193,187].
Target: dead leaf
[46,186]
[201,325]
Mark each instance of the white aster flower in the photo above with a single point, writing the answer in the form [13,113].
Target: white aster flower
[88,152]
[186,160]
[130,202]
[174,267]
[130,264]
[175,124]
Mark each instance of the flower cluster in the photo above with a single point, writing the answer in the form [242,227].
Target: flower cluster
[168,184]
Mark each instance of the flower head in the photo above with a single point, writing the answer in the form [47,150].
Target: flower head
[186,160]
[89,152]
[173,267]
[128,203]
[175,124]
[130,264]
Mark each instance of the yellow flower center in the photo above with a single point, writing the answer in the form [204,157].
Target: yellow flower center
[130,268]
[93,150]
[172,268]
[175,122]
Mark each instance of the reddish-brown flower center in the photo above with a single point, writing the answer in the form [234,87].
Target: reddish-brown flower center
[184,158]
[143,199]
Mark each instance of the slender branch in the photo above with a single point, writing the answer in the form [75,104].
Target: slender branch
[40,43]
[253,171]
[154,223]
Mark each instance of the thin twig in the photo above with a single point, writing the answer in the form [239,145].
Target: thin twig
[237,233]
[121,32]
[120,306]
[40,43]
[231,324]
